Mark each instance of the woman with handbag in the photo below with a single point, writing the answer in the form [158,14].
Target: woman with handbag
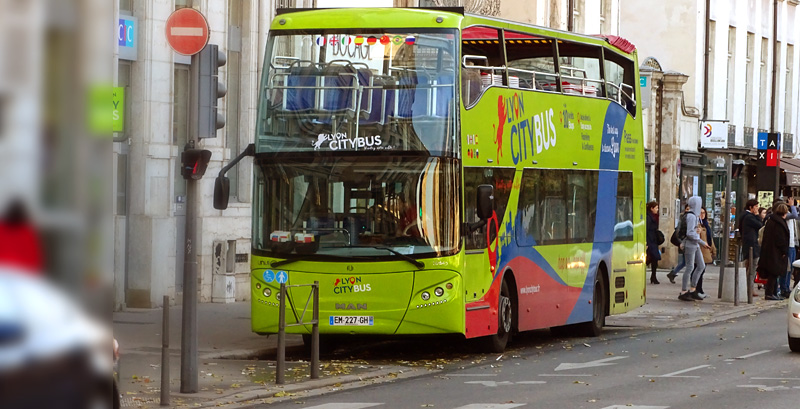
[709,253]
[654,239]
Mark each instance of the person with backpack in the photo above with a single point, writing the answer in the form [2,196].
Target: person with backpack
[774,249]
[681,260]
[749,224]
[654,239]
[692,242]
[709,253]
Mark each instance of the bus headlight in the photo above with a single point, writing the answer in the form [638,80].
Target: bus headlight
[426,296]
[267,292]
[439,291]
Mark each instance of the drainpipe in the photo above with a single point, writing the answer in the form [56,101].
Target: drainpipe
[706,59]
[774,88]
[570,15]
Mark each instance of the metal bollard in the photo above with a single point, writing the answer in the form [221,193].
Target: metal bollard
[736,278]
[280,365]
[750,277]
[165,353]
[315,335]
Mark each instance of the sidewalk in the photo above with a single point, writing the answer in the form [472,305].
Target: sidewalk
[237,367]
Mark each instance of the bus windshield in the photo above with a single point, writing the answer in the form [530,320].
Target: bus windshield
[357,90]
[356,207]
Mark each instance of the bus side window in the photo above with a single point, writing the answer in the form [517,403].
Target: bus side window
[623,226]
[579,65]
[619,80]
[483,64]
[502,179]
[531,62]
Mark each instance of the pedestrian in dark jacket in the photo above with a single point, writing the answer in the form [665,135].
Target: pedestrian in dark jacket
[774,250]
[749,224]
[653,254]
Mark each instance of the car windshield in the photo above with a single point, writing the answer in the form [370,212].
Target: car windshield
[357,90]
[356,207]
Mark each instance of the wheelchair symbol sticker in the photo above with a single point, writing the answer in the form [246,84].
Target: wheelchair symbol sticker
[269,276]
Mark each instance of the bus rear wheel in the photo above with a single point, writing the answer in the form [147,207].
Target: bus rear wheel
[594,327]
[505,315]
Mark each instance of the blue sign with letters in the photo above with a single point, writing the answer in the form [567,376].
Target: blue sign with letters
[126,37]
[762,140]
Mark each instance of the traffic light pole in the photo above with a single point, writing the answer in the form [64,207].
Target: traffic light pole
[189,376]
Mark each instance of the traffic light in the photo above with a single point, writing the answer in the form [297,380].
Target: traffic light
[210,90]
[194,163]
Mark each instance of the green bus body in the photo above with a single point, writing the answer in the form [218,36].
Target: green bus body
[376,130]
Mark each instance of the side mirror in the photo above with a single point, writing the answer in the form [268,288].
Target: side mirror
[222,190]
[485,201]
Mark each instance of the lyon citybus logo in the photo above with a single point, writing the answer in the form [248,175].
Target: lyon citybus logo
[352,284]
[528,135]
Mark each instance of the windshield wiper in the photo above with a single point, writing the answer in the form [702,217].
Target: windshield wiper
[405,257]
[276,264]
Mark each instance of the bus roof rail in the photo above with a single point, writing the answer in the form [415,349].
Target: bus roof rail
[457,10]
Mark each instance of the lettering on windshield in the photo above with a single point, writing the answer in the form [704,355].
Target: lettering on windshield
[341,141]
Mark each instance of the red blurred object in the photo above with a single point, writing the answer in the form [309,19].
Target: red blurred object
[759,280]
[19,241]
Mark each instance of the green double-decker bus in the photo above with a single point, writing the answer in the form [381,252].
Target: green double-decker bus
[439,172]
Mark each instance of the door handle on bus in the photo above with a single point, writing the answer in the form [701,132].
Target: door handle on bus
[637,261]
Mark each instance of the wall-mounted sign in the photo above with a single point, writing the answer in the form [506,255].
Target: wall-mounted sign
[118,109]
[126,37]
[713,134]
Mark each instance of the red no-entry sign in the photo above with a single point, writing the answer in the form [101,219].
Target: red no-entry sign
[187,31]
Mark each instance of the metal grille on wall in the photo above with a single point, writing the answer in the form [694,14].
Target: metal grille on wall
[731,135]
[748,136]
[787,143]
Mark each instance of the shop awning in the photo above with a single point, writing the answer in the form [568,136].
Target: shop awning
[792,168]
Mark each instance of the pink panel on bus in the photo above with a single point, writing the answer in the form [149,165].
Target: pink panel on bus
[543,300]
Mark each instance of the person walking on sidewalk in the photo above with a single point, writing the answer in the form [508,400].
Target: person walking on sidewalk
[654,239]
[691,253]
[681,260]
[709,253]
[774,250]
[792,223]
[749,224]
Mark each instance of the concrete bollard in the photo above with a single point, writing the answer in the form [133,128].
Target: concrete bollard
[731,285]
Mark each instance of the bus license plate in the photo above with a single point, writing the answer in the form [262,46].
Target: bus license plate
[361,320]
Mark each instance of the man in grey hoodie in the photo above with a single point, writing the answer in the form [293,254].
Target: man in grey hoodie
[692,254]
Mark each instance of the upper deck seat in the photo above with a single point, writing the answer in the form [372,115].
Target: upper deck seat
[301,83]
[444,92]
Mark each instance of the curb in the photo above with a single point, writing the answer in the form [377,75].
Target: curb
[243,399]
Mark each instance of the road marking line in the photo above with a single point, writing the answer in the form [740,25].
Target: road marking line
[635,407]
[675,374]
[566,374]
[777,379]
[186,31]
[493,384]
[753,354]
[491,406]
[470,374]
[345,405]
[599,362]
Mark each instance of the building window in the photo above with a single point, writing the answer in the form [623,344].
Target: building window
[605,17]
[578,16]
[730,83]
[180,121]
[788,91]
[762,97]
[179,4]
[126,5]
[748,82]
[285,4]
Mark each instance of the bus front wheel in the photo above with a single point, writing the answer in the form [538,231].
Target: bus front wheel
[505,315]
